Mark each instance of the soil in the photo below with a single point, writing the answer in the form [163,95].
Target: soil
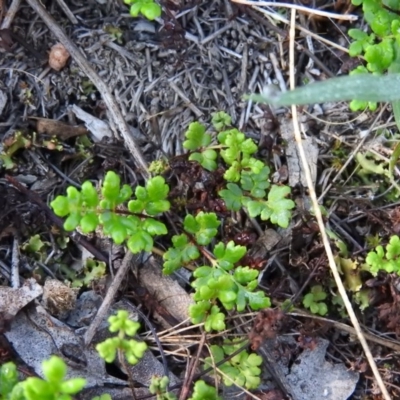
[200,57]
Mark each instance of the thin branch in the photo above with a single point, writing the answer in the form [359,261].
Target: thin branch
[101,86]
[281,18]
[308,10]
[318,216]
[111,292]
[10,15]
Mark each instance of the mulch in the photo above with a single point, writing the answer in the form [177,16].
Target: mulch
[199,58]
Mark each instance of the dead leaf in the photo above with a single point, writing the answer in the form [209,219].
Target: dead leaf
[98,128]
[310,376]
[49,336]
[295,167]
[166,291]
[86,309]
[13,300]
[60,129]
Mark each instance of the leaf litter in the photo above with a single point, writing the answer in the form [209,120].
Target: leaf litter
[202,59]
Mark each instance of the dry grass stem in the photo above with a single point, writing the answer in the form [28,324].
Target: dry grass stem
[109,297]
[321,225]
[390,344]
[101,86]
[307,32]
[351,156]
[307,10]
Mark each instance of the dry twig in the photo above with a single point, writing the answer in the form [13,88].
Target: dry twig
[67,12]
[8,18]
[390,344]
[318,216]
[297,7]
[281,18]
[111,292]
[101,86]
[352,155]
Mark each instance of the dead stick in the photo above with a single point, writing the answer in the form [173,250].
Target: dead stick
[101,86]
[8,19]
[192,370]
[111,292]
[75,236]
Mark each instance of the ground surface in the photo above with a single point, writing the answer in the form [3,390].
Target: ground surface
[199,58]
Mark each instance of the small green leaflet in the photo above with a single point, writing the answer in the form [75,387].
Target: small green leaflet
[196,137]
[229,255]
[181,253]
